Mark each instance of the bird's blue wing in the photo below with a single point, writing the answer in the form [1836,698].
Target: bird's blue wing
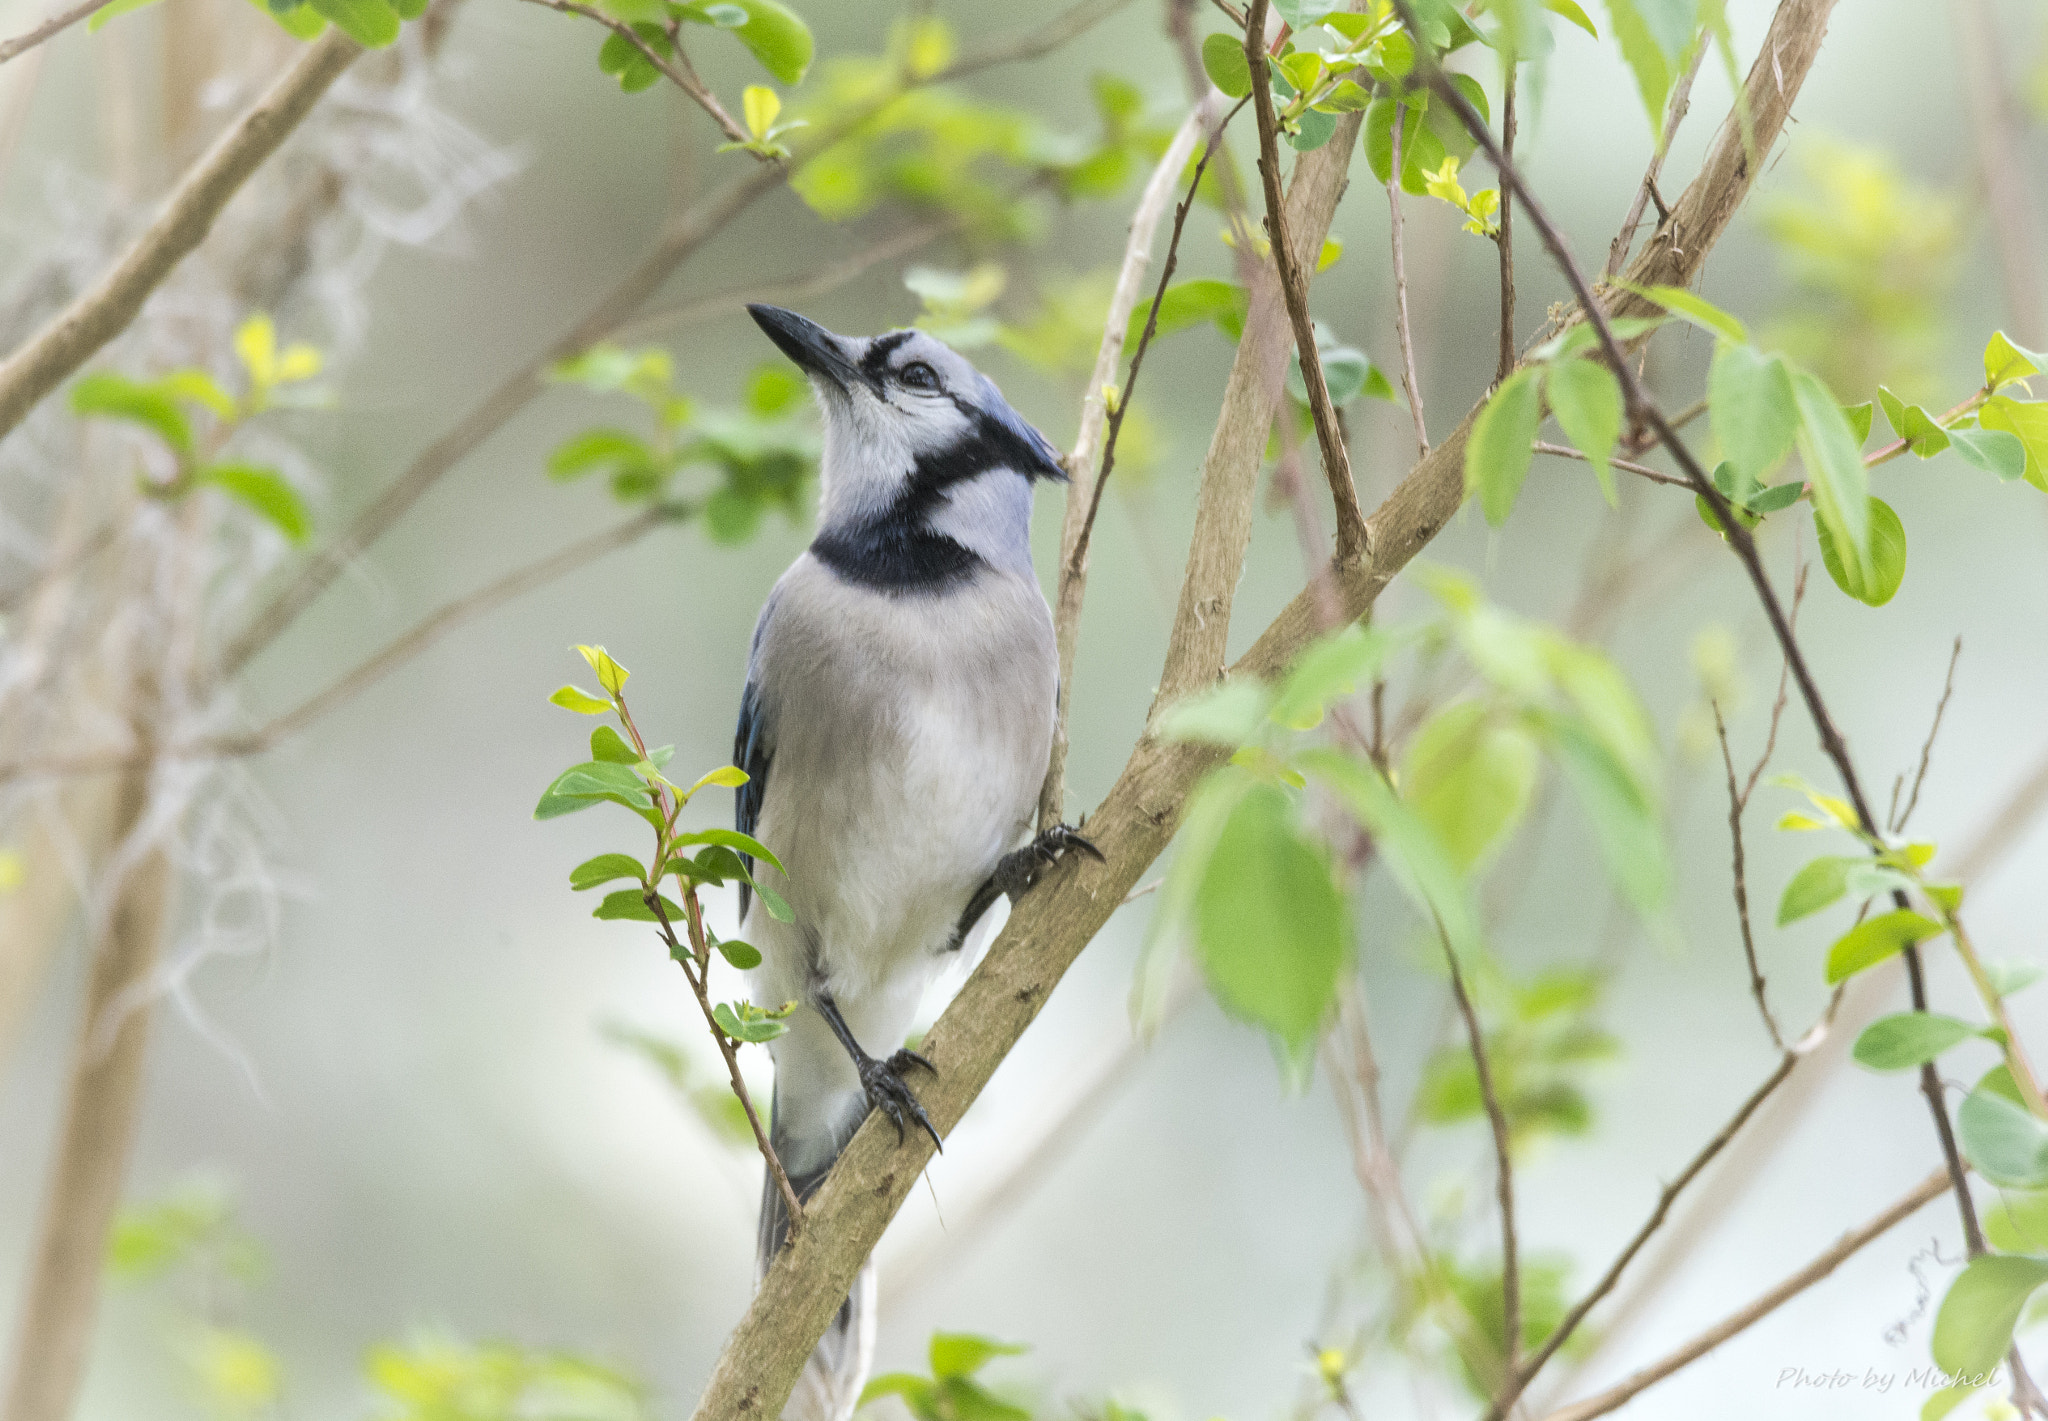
[752,751]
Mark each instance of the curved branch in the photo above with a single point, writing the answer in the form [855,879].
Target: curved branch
[56,24]
[76,334]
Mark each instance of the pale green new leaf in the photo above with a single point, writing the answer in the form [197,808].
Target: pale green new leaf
[1834,467]
[1909,1038]
[1502,444]
[1469,776]
[1586,399]
[1874,940]
[1750,402]
[1973,1330]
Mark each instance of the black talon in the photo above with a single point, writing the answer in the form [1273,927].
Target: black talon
[883,1080]
[1017,873]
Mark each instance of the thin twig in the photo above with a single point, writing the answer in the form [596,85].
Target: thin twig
[1928,1190]
[1294,291]
[681,76]
[1948,687]
[1086,479]
[1641,407]
[1627,466]
[682,238]
[1674,114]
[1408,381]
[1737,802]
[1504,238]
[75,334]
[1504,1170]
[54,25]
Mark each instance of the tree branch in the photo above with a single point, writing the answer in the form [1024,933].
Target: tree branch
[1085,479]
[1294,290]
[1928,1190]
[76,334]
[1503,1165]
[1675,109]
[1409,382]
[681,239]
[56,24]
[683,78]
[1048,929]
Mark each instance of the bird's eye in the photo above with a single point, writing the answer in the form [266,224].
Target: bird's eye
[919,376]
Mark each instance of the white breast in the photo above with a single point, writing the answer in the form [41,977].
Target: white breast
[910,738]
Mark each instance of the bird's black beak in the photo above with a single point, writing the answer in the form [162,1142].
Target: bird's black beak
[815,350]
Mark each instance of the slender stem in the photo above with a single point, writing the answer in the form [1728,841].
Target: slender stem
[1409,383]
[1994,1006]
[1505,237]
[1948,686]
[1294,291]
[1928,1190]
[1627,466]
[1737,802]
[1504,1171]
[1674,114]
[63,20]
[1645,410]
[679,74]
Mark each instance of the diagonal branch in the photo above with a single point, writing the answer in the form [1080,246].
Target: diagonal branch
[77,332]
[1048,929]
[1928,1190]
[1294,290]
[55,25]
[683,78]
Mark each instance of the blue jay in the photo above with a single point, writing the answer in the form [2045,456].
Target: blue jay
[896,725]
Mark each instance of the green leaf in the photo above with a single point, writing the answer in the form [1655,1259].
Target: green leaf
[630,905]
[300,21]
[1875,939]
[581,786]
[1817,884]
[746,1025]
[1625,818]
[2027,423]
[115,396]
[962,1354]
[1750,401]
[596,449]
[610,674]
[2011,974]
[916,1391]
[265,492]
[1412,852]
[1923,435]
[1691,306]
[1470,777]
[1645,58]
[1776,497]
[734,839]
[1271,931]
[1329,668]
[1887,561]
[1190,303]
[777,37]
[2002,1139]
[777,906]
[113,11]
[743,955]
[370,23]
[725,777]
[609,746]
[1503,442]
[2017,1222]
[1224,62]
[1571,11]
[1586,398]
[1973,1330]
[1996,451]
[603,869]
[1834,466]
[1859,421]
[1909,1038]
[2005,362]
[1230,713]
[581,701]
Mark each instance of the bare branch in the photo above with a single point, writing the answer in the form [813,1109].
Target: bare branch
[1675,109]
[1409,382]
[1503,1167]
[2003,168]
[1085,480]
[1294,291]
[1928,1190]
[56,24]
[1504,239]
[1627,466]
[681,240]
[1737,801]
[1948,687]
[77,332]
[681,76]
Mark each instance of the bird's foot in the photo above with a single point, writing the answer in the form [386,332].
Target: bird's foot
[1018,872]
[888,1093]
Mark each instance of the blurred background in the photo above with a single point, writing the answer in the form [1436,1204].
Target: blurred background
[397,1046]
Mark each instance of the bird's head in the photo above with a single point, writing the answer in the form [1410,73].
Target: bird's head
[916,437]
